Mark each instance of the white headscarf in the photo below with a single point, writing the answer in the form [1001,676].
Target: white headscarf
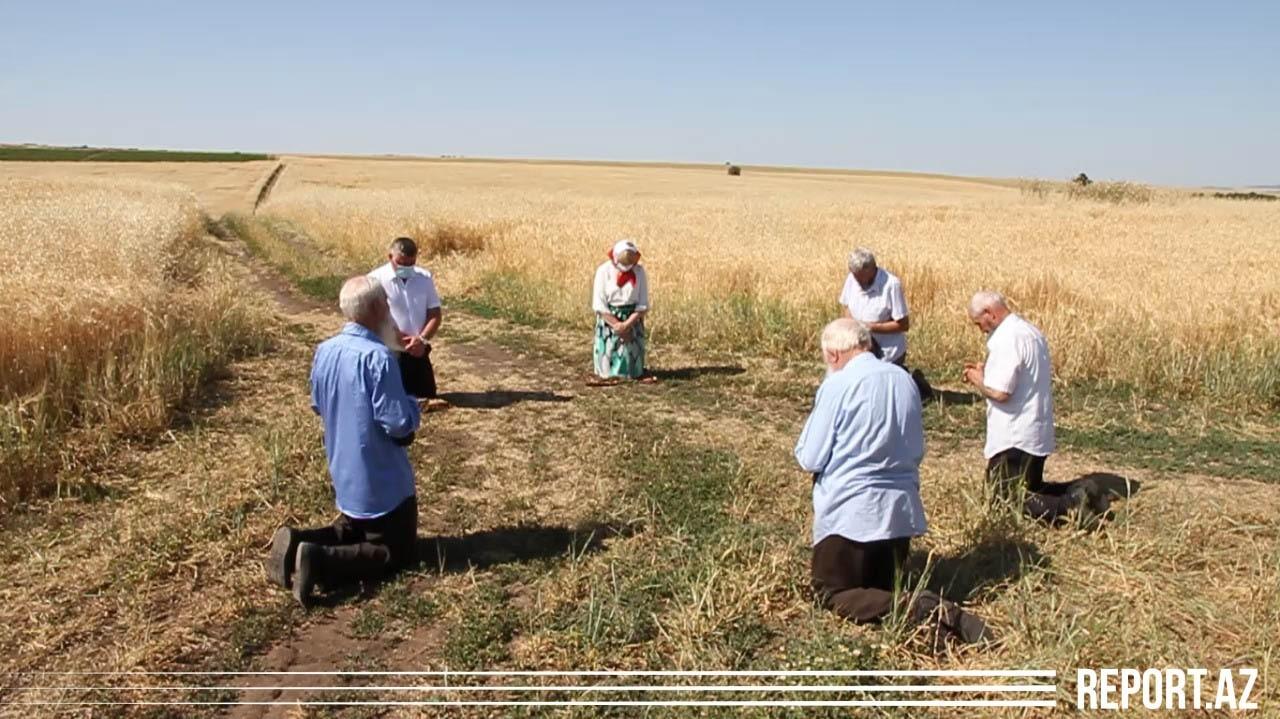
[620,248]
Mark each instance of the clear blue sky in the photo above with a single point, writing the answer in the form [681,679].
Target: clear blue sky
[1168,92]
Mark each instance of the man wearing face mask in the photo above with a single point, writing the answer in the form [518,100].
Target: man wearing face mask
[863,444]
[415,311]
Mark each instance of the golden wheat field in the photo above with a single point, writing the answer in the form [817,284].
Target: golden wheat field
[114,311]
[157,427]
[1175,295]
[218,186]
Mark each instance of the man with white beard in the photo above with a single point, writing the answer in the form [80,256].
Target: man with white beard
[369,420]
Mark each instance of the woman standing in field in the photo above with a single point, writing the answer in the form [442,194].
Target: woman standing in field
[620,299]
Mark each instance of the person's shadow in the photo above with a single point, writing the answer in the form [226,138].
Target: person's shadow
[979,569]
[1000,559]
[518,543]
[499,398]
[952,397]
[1116,486]
[690,373]
[488,548]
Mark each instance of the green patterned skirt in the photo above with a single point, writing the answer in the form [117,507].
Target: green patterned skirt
[613,356]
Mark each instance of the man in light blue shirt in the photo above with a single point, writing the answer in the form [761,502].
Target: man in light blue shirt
[863,442]
[368,422]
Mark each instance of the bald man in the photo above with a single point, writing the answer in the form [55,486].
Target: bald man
[1016,381]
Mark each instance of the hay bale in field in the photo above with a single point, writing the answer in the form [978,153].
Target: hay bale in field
[734,170]
[1082,180]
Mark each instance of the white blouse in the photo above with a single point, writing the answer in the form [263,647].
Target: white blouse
[607,293]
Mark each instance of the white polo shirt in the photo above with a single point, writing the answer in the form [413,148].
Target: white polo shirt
[1018,363]
[409,299]
[883,301]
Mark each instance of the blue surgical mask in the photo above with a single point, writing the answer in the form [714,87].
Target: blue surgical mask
[404,272]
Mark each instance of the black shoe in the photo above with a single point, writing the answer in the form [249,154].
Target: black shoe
[279,563]
[306,571]
[950,622]
[1091,502]
[969,628]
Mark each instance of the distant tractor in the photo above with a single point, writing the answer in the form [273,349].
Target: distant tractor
[734,170]
[1083,180]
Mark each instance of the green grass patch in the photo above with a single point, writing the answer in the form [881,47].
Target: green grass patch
[510,296]
[486,626]
[313,271]
[1218,453]
[108,154]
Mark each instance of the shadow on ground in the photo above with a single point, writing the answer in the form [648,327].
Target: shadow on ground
[982,568]
[497,399]
[480,550]
[1113,484]
[687,373]
[513,544]
[951,397]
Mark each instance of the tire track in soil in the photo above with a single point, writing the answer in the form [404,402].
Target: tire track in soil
[265,191]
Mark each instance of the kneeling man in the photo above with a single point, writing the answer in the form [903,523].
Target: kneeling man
[863,443]
[415,310]
[368,421]
[1016,381]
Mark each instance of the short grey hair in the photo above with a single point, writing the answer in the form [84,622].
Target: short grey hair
[845,334]
[861,259]
[986,300]
[360,297]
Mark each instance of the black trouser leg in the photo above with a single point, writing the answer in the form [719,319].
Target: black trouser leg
[1011,470]
[369,549]
[922,384]
[418,375]
[856,579]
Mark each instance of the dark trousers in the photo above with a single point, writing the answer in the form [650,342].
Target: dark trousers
[418,375]
[922,384]
[1013,472]
[367,549]
[856,579]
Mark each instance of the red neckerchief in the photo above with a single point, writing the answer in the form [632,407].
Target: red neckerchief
[623,277]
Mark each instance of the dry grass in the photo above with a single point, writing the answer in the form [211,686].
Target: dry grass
[116,313]
[1168,295]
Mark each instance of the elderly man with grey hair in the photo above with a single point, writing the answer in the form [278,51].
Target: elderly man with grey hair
[368,421]
[863,443]
[874,297]
[1016,381]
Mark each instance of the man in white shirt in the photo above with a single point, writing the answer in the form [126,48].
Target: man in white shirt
[863,443]
[1016,381]
[415,310]
[874,297]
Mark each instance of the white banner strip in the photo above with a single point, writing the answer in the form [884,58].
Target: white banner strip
[782,688]
[942,673]
[1030,703]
